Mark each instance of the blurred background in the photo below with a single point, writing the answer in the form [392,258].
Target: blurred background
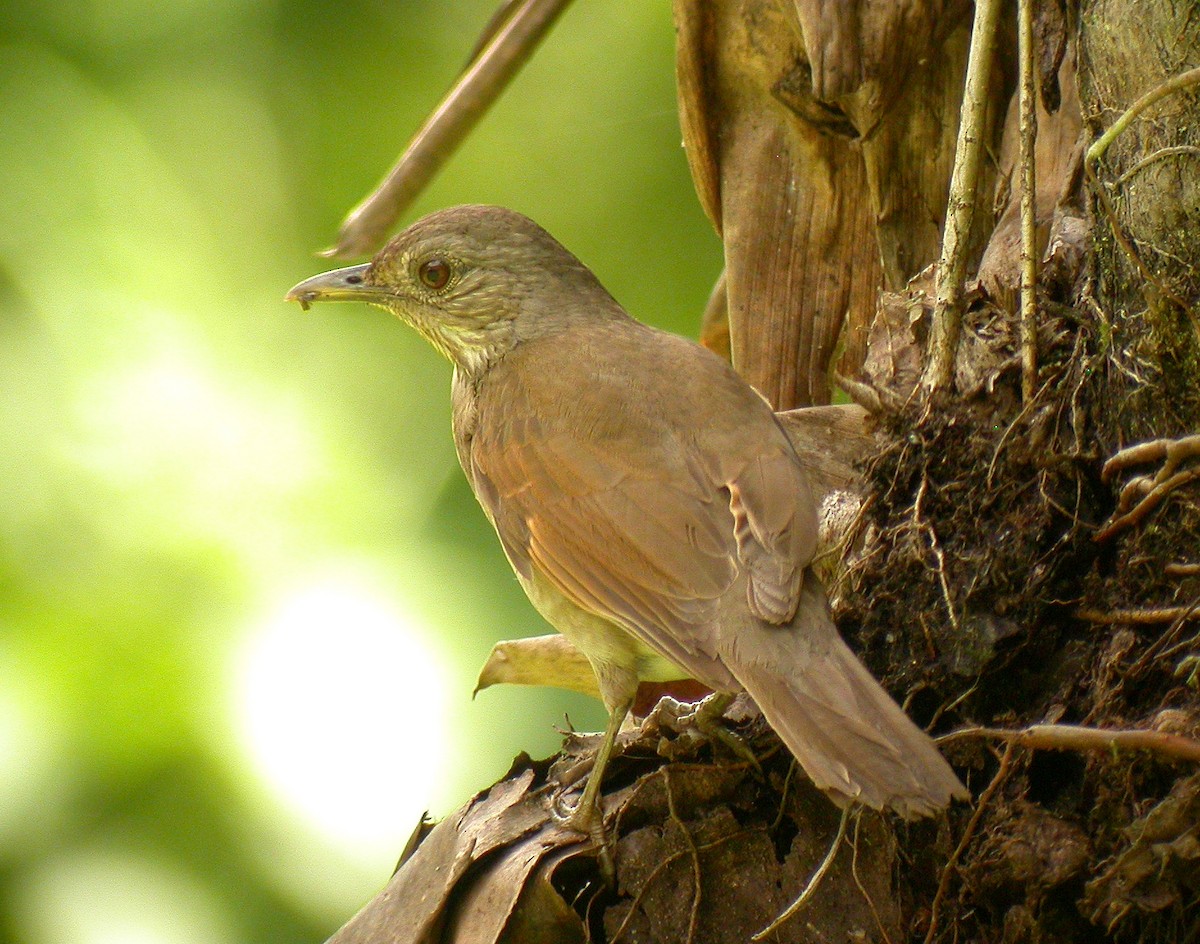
[244,588]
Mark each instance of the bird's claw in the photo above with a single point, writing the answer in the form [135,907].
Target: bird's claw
[588,819]
[572,816]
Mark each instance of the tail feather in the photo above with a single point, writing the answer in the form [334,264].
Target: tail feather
[847,733]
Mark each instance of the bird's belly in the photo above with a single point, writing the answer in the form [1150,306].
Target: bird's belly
[606,645]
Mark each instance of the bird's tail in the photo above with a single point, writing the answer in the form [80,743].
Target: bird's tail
[851,738]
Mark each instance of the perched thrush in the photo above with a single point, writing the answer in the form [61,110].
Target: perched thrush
[653,509]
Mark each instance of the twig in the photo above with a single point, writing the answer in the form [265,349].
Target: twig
[515,37]
[947,312]
[1072,737]
[952,864]
[811,887]
[1182,570]
[1028,181]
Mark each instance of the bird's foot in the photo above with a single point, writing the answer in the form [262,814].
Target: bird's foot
[706,717]
[586,816]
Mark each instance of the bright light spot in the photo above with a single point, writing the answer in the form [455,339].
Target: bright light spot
[113,897]
[168,421]
[341,707]
[189,452]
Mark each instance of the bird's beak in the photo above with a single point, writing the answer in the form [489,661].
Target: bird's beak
[340,285]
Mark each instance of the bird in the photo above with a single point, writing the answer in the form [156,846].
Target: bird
[649,502]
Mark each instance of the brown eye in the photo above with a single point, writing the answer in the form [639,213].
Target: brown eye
[434,273]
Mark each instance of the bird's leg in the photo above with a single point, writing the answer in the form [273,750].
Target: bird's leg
[587,816]
[587,809]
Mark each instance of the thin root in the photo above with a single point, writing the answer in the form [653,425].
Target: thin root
[952,865]
[813,883]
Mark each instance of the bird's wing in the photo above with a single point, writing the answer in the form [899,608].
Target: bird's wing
[648,534]
[647,544]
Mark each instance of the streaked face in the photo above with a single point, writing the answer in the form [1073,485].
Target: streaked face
[464,278]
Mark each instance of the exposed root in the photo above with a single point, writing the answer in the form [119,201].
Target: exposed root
[1148,491]
[697,890]
[887,939]
[1070,737]
[1146,617]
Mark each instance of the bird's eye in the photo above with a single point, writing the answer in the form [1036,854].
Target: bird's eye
[434,273]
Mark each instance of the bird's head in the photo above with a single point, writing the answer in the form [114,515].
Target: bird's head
[474,280]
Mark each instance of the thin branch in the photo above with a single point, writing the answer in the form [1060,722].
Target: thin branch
[516,35]
[947,312]
[1028,181]
[1172,85]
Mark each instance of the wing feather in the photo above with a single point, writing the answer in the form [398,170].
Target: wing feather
[653,557]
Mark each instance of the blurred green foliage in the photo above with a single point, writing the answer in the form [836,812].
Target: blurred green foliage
[216,507]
